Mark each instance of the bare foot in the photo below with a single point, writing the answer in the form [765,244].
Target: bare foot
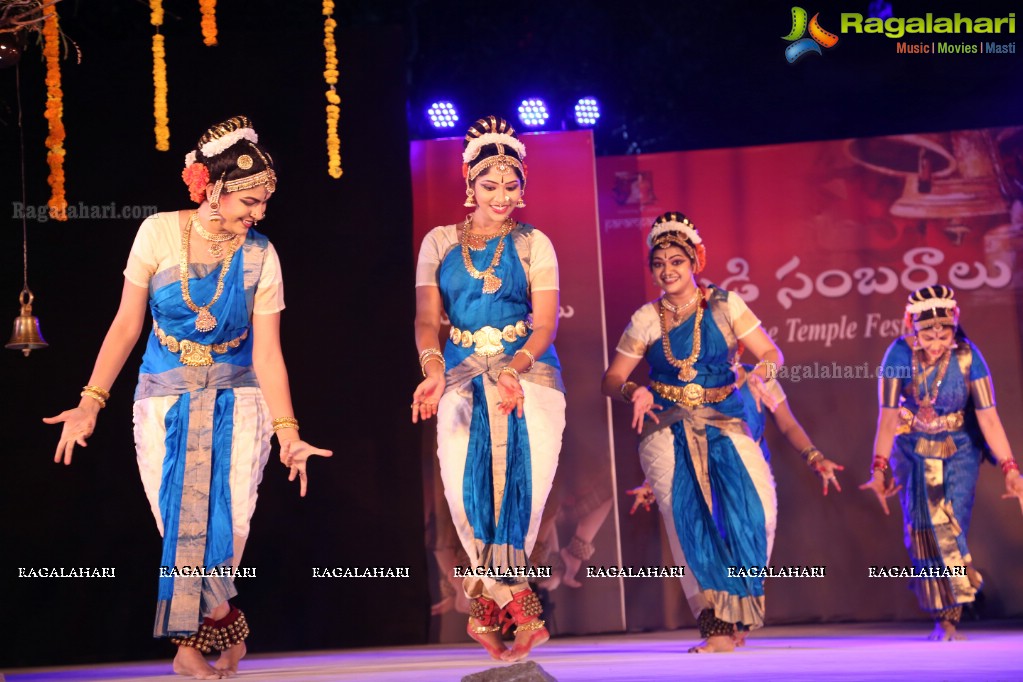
[740,637]
[491,641]
[945,631]
[190,662]
[525,640]
[227,664]
[715,644]
[572,565]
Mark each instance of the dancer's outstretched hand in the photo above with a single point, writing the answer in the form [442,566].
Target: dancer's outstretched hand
[79,423]
[644,497]
[426,397]
[882,490]
[295,454]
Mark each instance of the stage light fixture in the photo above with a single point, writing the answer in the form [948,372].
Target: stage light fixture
[587,111]
[442,115]
[533,113]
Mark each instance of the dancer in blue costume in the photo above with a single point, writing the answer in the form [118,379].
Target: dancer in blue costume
[496,387]
[212,379]
[714,487]
[934,384]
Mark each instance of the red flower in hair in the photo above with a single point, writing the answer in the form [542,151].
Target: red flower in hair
[196,176]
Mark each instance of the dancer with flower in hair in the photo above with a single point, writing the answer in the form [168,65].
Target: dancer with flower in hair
[496,387]
[937,417]
[711,480]
[213,387]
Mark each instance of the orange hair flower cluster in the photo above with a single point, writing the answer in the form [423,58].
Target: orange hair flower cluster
[701,258]
[330,75]
[161,127]
[54,114]
[196,176]
[209,22]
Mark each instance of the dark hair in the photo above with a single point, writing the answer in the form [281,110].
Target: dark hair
[226,162]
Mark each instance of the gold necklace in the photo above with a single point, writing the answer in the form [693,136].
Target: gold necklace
[925,402]
[215,249]
[477,242]
[204,321]
[677,310]
[686,370]
[491,282]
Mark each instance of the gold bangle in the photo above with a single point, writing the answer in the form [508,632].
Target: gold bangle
[627,389]
[532,358]
[285,423]
[88,393]
[98,390]
[770,367]
[508,369]
[432,356]
[429,351]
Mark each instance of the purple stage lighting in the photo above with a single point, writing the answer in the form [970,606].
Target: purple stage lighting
[442,115]
[587,111]
[533,113]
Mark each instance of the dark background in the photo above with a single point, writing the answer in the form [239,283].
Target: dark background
[670,76]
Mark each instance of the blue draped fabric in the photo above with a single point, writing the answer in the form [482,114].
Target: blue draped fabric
[959,472]
[210,515]
[734,532]
[469,308]
[478,482]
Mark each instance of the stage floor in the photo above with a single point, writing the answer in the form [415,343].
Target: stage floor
[844,652]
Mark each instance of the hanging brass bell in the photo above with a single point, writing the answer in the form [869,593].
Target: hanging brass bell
[26,336]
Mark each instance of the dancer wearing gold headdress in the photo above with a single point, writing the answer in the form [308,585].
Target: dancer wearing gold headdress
[496,387]
[937,412]
[212,388]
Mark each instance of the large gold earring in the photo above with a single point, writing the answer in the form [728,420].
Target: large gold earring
[215,200]
[470,197]
[520,203]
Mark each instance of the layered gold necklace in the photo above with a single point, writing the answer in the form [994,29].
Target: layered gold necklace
[491,282]
[204,321]
[215,249]
[685,367]
[925,402]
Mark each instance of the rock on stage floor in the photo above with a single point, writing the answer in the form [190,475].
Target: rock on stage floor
[834,652]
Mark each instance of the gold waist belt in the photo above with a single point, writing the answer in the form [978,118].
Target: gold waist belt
[692,395]
[196,354]
[488,340]
[945,422]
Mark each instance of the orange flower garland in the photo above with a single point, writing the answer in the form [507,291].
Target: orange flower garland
[161,127]
[54,114]
[209,22]
[330,75]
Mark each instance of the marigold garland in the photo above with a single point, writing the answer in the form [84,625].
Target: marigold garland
[330,75]
[54,114]
[209,22]
[161,127]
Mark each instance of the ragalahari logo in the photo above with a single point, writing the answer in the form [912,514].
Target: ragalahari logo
[802,46]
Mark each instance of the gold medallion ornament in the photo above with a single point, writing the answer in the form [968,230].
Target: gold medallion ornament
[204,321]
[925,402]
[491,282]
[215,249]
[685,367]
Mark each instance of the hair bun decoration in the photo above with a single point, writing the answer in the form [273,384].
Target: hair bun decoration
[675,229]
[933,306]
